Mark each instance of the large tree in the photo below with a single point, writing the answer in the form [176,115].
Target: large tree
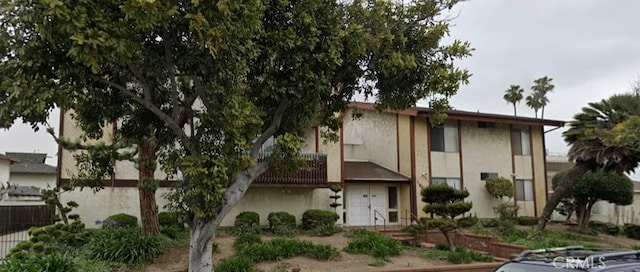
[223,79]
[597,142]
[534,102]
[596,186]
[541,87]
[513,95]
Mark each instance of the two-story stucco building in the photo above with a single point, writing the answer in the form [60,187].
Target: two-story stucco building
[382,160]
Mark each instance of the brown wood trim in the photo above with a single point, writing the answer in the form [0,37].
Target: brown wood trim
[460,154]
[317,136]
[342,148]
[113,161]
[60,134]
[429,149]
[513,165]
[133,183]
[544,165]
[271,185]
[413,187]
[533,173]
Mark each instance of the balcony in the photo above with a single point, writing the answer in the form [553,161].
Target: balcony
[315,175]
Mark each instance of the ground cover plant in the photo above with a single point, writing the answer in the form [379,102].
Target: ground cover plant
[373,243]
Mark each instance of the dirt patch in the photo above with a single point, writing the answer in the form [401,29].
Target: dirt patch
[176,259]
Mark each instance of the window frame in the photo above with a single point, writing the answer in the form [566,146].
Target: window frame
[448,181]
[521,141]
[447,138]
[528,193]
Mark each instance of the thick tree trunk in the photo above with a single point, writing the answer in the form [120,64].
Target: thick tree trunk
[146,187]
[202,232]
[452,247]
[560,191]
[586,217]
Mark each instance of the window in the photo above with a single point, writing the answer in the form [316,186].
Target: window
[524,190]
[521,142]
[393,204]
[453,182]
[444,138]
[486,124]
[485,176]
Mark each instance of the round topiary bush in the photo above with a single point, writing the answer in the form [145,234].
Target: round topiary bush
[121,220]
[317,218]
[247,222]
[282,223]
[169,219]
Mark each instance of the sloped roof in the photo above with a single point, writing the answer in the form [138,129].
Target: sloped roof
[369,171]
[30,163]
[5,157]
[19,190]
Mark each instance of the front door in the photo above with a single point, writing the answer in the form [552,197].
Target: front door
[365,203]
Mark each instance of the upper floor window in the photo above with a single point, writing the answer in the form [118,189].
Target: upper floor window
[521,142]
[444,138]
[453,182]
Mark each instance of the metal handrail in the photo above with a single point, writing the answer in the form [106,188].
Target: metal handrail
[409,216]
[375,220]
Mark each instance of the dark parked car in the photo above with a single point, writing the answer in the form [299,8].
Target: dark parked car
[575,258]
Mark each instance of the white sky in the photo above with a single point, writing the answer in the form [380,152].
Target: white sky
[591,49]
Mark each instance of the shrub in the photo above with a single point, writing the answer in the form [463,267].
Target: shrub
[53,262]
[325,230]
[170,219]
[468,221]
[238,263]
[314,218]
[279,248]
[490,222]
[282,223]
[464,256]
[245,240]
[172,231]
[247,222]
[124,245]
[121,220]
[632,231]
[374,244]
[526,220]
[608,228]
[323,252]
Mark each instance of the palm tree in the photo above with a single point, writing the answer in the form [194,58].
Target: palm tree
[534,102]
[542,86]
[513,95]
[591,148]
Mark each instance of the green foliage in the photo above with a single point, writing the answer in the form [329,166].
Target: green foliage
[374,244]
[445,201]
[50,238]
[237,263]
[170,219]
[632,231]
[336,189]
[465,256]
[507,214]
[534,239]
[325,230]
[282,223]
[316,218]
[124,245]
[489,222]
[173,232]
[246,239]
[499,187]
[526,220]
[120,220]
[51,196]
[436,253]
[608,228]
[247,222]
[52,262]
[467,221]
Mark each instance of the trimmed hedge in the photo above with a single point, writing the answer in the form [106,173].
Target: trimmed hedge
[526,220]
[632,231]
[121,220]
[247,222]
[169,219]
[608,228]
[313,218]
[282,223]
[468,221]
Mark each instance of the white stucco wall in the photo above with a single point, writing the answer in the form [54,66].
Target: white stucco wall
[373,137]
[42,181]
[108,201]
[4,172]
[292,200]
[484,150]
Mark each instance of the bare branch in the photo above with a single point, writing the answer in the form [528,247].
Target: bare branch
[200,89]
[275,124]
[145,85]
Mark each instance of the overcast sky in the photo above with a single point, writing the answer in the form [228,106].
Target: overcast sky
[591,49]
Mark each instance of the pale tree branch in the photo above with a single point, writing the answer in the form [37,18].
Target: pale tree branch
[201,93]
[275,124]
[175,127]
[238,188]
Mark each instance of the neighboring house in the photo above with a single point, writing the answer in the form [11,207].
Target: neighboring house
[382,160]
[28,175]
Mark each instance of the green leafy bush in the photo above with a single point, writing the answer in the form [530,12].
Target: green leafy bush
[121,220]
[314,218]
[464,256]
[466,222]
[172,231]
[499,187]
[124,245]
[237,263]
[170,219]
[325,230]
[245,240]
[608,228]
[632,231]
[52,262]
[247,222]
[374,244]
[489,222]
[526,220]
[282,223]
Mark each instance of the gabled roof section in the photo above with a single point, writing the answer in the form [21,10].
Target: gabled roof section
[32,163]
[468,116]
[6,158]
[19,190]
[370,172]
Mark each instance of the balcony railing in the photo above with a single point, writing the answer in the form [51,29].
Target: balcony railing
[313,175]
